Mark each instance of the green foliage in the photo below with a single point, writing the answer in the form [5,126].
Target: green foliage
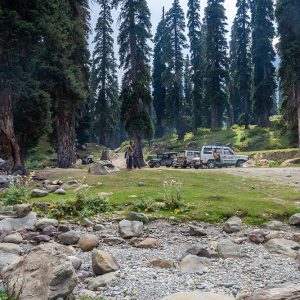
[143,204]
[173,195]
[4,296]
[17,192]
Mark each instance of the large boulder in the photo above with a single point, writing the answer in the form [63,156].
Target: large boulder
[198,296]
[130,229]
[9,225]
[9,253]
[288,292]
[40,275]
[226,248]
[233,224]
[283,246]
[193,264]
[103,167]
[103,262]
[295,220]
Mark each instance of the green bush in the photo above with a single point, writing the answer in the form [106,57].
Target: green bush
[173,195]
[143,204]
[17,191]
[4,296]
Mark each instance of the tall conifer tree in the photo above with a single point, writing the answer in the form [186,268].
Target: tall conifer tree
[263,56]
[134,36]
[217,61]
[287,13]
[159,67]
[196,49]
[176,42]
[106,102]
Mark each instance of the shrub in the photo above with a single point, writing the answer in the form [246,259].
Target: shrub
[17,191]
[145,205]
[173,194]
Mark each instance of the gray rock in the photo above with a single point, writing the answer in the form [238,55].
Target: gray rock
[273,225]
[197,231]
[76,262]
[55,248]
[193,264]
[295,220]
[103,167]
[40,275]
[283,246]
[45,222]
[99,227]
[101,281]
[257,236]
[201,252]
[60,191]
[286,292]
[87,222]
[15,238]
[134,216]
[69,238]
[296,237]
[52,188]
[9,225]
[112,241]
[103,262]
[63,228]
[226,248]
[9,254]
[197,296]
[22,210]
[88,242]
[129,229]
[36,193]
[233,224]
[49,230]
[42,238]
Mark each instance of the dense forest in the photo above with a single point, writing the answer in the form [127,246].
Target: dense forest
[52,86]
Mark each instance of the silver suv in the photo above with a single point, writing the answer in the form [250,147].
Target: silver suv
[213,156]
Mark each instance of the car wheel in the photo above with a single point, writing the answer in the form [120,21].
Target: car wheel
[211,164]
[157,165]
[196,167]
[151,166]
[240,163]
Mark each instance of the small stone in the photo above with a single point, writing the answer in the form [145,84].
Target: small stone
[201,252]
[88,242]
[273,225]
[295,220]
[233,224]
[257,237]
[134,216]
[129,229]
[49,230]
[161,263]
[15,238]
[76,262]
[193,264]
[36,193]
[52,188]
[69,238]
[60,191]
[197,296]
[296,237]
[99,227]
[10,248]
[112,241]
[63,228]
[42,238]
[103,262]
[147,243]
[22,210]
[101,281]
[197,231]
[87,222]
[45,222]
[227,248]
[141,184]
[283,246]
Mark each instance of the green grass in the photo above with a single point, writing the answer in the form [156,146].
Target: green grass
[210,196]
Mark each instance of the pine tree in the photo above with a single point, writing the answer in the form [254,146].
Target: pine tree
[134,37]
[287,14]
[263,56]
[65,66]
[242,77]
[217,61]
[106,103]
[159,67]
[196,49]
[176,42]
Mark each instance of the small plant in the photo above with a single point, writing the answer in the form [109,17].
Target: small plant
[173,194]
[143,204]
[18,190]
[4,296]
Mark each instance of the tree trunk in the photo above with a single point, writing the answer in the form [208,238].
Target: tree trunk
[215,122]
[65,140]
[139,150]
[297,96]
[9,148]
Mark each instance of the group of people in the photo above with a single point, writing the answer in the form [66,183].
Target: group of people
[132,157]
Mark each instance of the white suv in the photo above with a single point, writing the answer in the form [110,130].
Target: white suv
[226,157]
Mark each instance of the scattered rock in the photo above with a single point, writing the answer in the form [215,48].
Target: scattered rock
[99,227]
[101,281]
[134,216]
[87,222]
[88,242]
[103,167]
[42,238]
[129,229]
[105,194]
[161,263]
[227,248]
[111,241]
[60,191]
[39,193]
[103,262]
[197,296]
[257,236]
[272,235]
[69,238]
[201,252]
[22,210]
[40,275]
[197,231]
[273,225]
[141,184]
[193,264]
[147,243]
[76,262]
[45,222]
[283,246]
[15,238]
[288,292]
[9,253]
[63,228]
[49,230]
[296,237]
[52,188]
[56,248]
[295,220]
[234,224]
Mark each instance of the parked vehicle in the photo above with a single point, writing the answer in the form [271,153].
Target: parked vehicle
[164,159]
[225,157]
[185,159]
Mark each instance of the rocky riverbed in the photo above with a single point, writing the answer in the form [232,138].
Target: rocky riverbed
[132,260]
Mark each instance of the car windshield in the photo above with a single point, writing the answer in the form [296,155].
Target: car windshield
[181,153]
[159,156]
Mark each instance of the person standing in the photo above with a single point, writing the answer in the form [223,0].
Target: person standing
[130,152]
